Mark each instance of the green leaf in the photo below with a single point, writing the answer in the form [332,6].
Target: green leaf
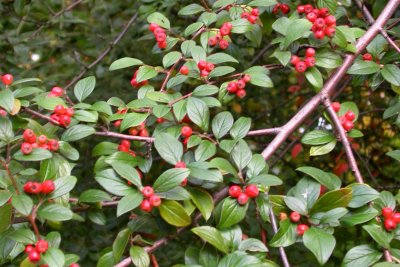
[203,201]
[55,212]
[221,124]
[263,3]
[359,216]
[298,29]
[49,103]
[363,255]
[331,182]
[317,137]
[229,213]
[77,132]
[6,131]
[27,80]
[212,236]
[253,245]
[120,243]
[110,182]
[241,26]
[241,155]
[330,4]
[221,71]
[7,100]
[320,243]
[198,112]
[391,73]
[171,58]
[314,77]
[361,67]
[4,197]
[173,213]
[54,257]
[285,236]
[282,56]
[133,119]
[94,195]
[240,128]
[205,90]
[380,236]
[395,154]
[218,58]
[191,9]
[84,88]
[124,164]
[146,73]
[169,148]
[68,151]
[362,194]
[205,150]
[37,154]
[129,202]
[139,256]
[63,186]
[25,236]
[256,166]
[198,53]
[86,116]
[331,200]
[296,204]
[328,59]
[208,18]
[159,19]
[192,28]
[125,62]
[323,149]
[170,179]
[6,213]
[223,165]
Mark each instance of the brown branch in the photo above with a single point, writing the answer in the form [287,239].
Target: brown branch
[39,115]
[332,82]
[164,84]
[125,136]
[104,53]
[282,252]
[170,104]
[269,131]
[370,19]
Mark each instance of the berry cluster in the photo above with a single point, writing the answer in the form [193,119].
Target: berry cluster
[125,146]
[7,79]
[140,130]
[324,24]
[225,30]
[250,191]
[295,218]
[367,57]
[35,188]
[281,7]
[134,82]
[391,219]
[178,165]
[205,67]
[151,200]
[62,115]
[34,251]
[159,34]
[56,92]
[347,120]
[31,142]
[251,16]
[302,65]
[238,87]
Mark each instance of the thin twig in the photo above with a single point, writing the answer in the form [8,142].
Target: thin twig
[39,115]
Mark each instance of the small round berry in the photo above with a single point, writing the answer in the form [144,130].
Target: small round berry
[145,205]
[255,12]
[246,78]
[184,182]
[160,120]
[294,60]
[348,125]
[319,23]
[312,17]
[330,20]
[241,93]
[55,118]
[330,31]
[202,64]
[285,8]
[133,131]
[3,113]
[396,217]
[161,37]
[223,44]
[147,191]
[241,84]
[64,120]
[316,11]
[204,73]
[235,191]
[36,188]
[155,201]
[387,212]
[57,91]
[159,30]
[186,131]
[117,123]
[301,229]
[245,15]
[210,67]
[34,256]
[212,41]
[26,148]
[7,79]
[367,57]
[69,112]
[184,70]
[28,135]
[224,31]
[308,8]
[162,44]
[132,153]
[294,217]
[310,62]
[243,198]
[324,12]
[252,191]
[42,139]
[48,186]
[153,27]
[300,9]
[60,110]
[29,248]
[319,35]
[310,52]
[180,164]
[336,106]
[144,133]
[350,115]
[301,67]
[126,143]
[252,19]
[390,225]
[53,144]
[276,8]
[74,265]
[42,246]
[232,87]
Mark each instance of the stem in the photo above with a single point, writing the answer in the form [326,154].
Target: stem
[170,104]
[125,136]
[39,115]
[282,252]
[9,173]
[164,84]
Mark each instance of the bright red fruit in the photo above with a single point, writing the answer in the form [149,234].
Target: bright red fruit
[155,201]
[300,9]
[396,217]
[243,198]
[74,265]
[319,35]
[29,135]
[310,52]
[202,64]
[29,248]
[180,164]
[252,191]
[285,8]
[64,120]
[310,62]
[145,205]
[60,110]
[186,131]
[223,44]
[126,143]
[246,78]
[144,133]
[319,23]
[53,145]
[42,139]
[57,91]
[232,87]
[330,31]
[241,93]
[209,67]
[147,191]
[69,112]
[308,8]
[350,115]
[390,225]
[294,60]
[26,148]
[301,229]
[312,17]
[36,188]
[7,79]
[235,191]
[294,217]
[184,70]
[301,67]
[324,12]
[330,20]
[48,186]
[387,212]
[153,27]
[336,106]
[255,12]
[34,256]
[42,246]
[367,57]
[241,84]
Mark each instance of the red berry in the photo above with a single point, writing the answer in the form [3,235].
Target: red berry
[42,246]
[27,187]
[252,191]
[255,12]
[204,73]
[241,93]
[210,67]
[29,248]
[330,31]
[367,57]
[350,115]
[160,120]
[144,133]
[212,41]
[155,201]
[28,135]
[48,186]
[390,225]
[310,62]
[308,8]
[162,44]
[243,198]
[64,120]
[133,131]
[223,44]
[348,125]
[159,30]
[153,27]
[160,37]
[320,23]
[241,84]
[57,91]
[235,191]
[301,66]
[180,164]
[184,70]
[224,31]
[301,229]
[310,52]
[245,15]
[126,143]
[294,60]
[330,20]
[300,9]
[336,106]
[324,12]
[396,217]
[3,113]
[276,8]
[387,212]
[202,64]
[74,265]
[228,25]
[232,87]
[53,145]
[117,123]
[145,205]
[186,131]
[7,79]
[295,217]
[246,78]
[34,256]
[132,153]
[60,110]
[184,182]
[36,188]
[42,139]
[69,112]
[312,17]
[147,191]
[252,19]
[26,148]
[319,35]
[285,8]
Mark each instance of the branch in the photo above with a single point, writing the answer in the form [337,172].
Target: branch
[284,257]
[125,136]
[104,53]
[39,115]
[343,137]
[371,20]
[332,82]
[269,131]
